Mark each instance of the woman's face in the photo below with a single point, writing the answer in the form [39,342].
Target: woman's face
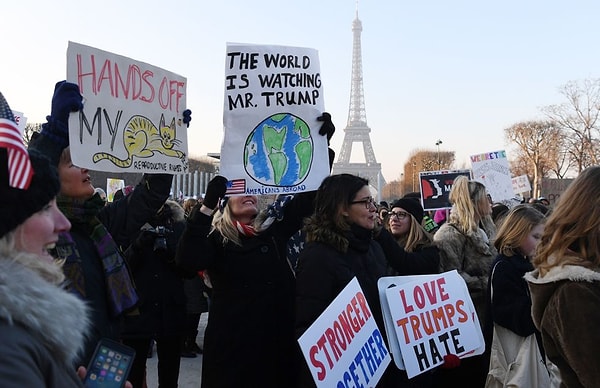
[39,233]
[399,221]
[243,208]
[75,182]
[362,210]
[531,241]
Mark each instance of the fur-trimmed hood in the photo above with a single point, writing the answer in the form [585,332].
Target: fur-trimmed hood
[543,287]
[50,314]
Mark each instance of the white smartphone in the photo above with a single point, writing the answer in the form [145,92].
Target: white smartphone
[110,365]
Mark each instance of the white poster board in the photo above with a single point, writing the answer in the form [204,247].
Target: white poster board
[21,121]
[344,346]
[492,169]
[427,317]
[132,115]
[271,144]
[521,184]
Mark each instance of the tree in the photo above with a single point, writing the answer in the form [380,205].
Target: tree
[539,148]
[424,160]
[30,131]
[578,118]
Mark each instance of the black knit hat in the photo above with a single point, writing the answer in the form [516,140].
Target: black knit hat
[411,205]
[17,204]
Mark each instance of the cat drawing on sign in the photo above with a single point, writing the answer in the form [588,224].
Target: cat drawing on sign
[142,139]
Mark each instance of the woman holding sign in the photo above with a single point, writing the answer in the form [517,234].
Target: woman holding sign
[249,339]
[92,248]
[340,246]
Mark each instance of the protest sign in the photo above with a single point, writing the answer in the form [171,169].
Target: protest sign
[112,186]
[436,186]
[492,169]
[344,347]
[521,184]
[427,317]
[271,143]
[20,120]
[132,115]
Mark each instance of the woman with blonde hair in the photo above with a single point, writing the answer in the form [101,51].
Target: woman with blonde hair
[465,242]
[565,286]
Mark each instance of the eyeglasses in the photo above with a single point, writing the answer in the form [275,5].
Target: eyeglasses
[398,215]
[367,201]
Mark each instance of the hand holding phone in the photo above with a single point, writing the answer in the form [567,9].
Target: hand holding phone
[110,365]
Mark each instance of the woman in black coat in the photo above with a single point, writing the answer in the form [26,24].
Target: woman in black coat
[340,245]
[249,336]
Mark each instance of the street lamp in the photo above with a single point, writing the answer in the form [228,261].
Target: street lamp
[437,143]
[414,166]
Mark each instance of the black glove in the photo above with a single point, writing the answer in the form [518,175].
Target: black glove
[66,99]
[187,117]
[215,190]
[327,128]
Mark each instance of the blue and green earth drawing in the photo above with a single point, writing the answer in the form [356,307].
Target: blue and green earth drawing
[279,151]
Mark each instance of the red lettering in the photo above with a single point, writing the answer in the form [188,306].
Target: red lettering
[321,372]
[407,308]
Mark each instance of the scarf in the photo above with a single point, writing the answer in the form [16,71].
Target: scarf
[274,212]
[121,294]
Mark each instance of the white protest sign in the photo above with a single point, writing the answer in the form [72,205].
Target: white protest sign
[271,143]
[112,186]
[492,169]
[427,317]
[132,115]
[20,120]
[344,346]
[521,184]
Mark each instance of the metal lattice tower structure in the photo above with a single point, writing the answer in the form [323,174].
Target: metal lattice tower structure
[357,130]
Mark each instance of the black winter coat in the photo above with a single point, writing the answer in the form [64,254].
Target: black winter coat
[158,280]
[249,338]
[123,220]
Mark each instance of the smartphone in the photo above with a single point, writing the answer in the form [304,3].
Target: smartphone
[110,365]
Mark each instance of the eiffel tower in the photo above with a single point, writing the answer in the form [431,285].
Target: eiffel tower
[357,130]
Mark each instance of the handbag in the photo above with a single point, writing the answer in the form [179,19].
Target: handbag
[515,361]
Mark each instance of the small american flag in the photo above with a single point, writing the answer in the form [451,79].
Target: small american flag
[19,166]
[236,186]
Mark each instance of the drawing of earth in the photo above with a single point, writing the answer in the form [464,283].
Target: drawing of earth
[279,151]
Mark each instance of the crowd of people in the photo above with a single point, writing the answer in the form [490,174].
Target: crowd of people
[142,268]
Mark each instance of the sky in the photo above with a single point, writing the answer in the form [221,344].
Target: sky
[457,71]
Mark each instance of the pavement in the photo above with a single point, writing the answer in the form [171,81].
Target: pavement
[190,369]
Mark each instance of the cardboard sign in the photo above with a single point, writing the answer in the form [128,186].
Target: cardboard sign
[132,115]
[344,347]
[521,184]
[427,317]
[436,186]
[492,169]
[20,120]
[271,144]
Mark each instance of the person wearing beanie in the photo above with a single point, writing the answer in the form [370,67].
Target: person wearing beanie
[92,249]
[42,326]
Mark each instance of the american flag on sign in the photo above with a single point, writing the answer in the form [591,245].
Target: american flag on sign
[19,166]
[236,186]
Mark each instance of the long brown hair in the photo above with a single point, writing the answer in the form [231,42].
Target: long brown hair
[572,231]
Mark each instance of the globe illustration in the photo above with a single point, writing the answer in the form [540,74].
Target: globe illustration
[279,151]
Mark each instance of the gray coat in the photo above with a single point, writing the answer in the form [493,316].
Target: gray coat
[41,330]
[472,256]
